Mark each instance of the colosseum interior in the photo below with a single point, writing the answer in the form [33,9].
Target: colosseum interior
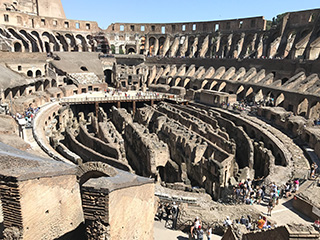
[100,126]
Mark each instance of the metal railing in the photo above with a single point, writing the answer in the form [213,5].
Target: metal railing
[120,98]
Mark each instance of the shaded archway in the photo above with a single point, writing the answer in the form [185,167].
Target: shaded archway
[30,73]
[108,76]
[17,47]
[94,170]
[302,108]
[38,73]
[280,99]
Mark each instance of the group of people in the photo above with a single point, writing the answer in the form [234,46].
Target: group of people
[261,223]
[167,211]
[247,193]
[198,232]
[28,114]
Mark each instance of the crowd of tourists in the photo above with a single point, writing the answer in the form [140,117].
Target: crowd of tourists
[249,193]
[27,116]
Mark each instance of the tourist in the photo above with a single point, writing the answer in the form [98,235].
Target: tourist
[200,233]
[209,233]
[227,222]
[261,222]
[316,224]
[288,187]
[174,212]
[194,228]
[259,194]
[296,185]
[270,207]
[314,167]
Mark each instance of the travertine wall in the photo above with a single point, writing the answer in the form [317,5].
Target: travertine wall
[51,207]
[131,213]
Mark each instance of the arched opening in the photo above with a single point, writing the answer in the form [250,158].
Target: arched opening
[222,86]
[161,44]
[284,80]
[91,174]
[303,108]
[279,101]
[113,49]
[32,40]
[258,98]
[30,73]
[131,51]
[314,110]
[240,93]
[17,47]
[38,73]
[53,83]
[152,42]
[84,68]
[46,84]
[47,46]
[108,76]
[250,95]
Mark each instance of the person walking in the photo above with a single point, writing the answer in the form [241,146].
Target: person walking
[209,233]
[270,206]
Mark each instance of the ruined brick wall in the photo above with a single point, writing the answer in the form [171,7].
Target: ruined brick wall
[96,213]
[131,213]
[255,23]
[51,207]
[97,144]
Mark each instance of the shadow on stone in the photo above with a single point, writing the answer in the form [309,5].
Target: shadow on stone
[1,230]
[78,233]
[182,238]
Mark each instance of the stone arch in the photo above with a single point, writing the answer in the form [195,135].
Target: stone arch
[82,42]
[46,84]
[50,43]
[259,96]
[302,108]
[37,36]
[152,44]
[314,111]
[29,73]
[72,42]
[33,41]
[131,50]
[17,47]
[240,92]
[53,83]
[38,73]
[250,93]
[20,38]
[279,100]
[222,86]
[91,42]
[63,42]
[210,85]
[93,170]
[161,44]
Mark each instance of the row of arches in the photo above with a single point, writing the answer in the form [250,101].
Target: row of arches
[40,85]
[34,41]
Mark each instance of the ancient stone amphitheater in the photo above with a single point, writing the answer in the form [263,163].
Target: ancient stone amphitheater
[97,126]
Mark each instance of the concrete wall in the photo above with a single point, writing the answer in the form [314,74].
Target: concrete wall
[255,23]
[47,22]
[131,213]
[51,8]
[51,207]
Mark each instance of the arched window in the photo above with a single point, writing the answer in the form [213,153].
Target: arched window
[38,73]
[30,73]
[17,47]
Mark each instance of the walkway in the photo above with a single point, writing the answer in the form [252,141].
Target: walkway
[162,233]
[284,213]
